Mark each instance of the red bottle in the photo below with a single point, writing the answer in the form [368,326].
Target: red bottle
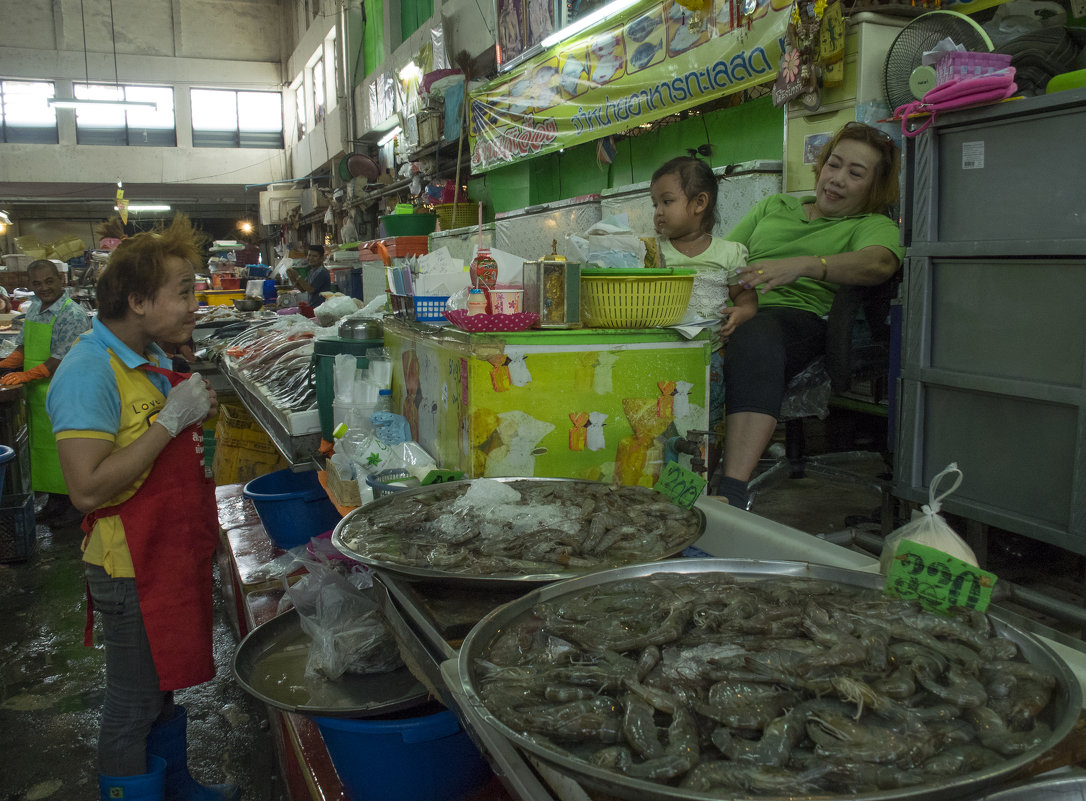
[483,270]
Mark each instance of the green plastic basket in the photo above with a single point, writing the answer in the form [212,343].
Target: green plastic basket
[639,298]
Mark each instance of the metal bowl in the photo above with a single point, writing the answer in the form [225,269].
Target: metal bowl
[1064,707]
[248,304]
[270,663]
[482,581]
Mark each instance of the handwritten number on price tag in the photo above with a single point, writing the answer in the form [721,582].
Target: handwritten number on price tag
[680,485]
[441,476]
[938,580]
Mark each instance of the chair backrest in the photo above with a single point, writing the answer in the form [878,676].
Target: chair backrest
[843,357]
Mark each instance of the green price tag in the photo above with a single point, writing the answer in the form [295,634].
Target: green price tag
[680,485]
[441,476]
[937,579]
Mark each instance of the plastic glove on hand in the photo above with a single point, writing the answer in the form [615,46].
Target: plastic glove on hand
[33,374]
[188,403]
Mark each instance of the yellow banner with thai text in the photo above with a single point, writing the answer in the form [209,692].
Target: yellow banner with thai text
[648,62]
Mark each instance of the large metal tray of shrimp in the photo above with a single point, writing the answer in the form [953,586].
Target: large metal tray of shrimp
[497,532]
[722,678]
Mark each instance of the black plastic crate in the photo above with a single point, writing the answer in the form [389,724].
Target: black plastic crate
[18,538]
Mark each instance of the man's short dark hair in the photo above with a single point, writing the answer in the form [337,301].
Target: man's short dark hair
[43,264]
[318,248]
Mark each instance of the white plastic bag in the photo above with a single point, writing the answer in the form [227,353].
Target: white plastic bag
[346,629]
[335,308]
[929,528]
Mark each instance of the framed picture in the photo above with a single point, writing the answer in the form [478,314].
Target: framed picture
[510,30]
[541,19]
[813,144]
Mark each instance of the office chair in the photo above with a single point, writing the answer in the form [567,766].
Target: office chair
[849,358]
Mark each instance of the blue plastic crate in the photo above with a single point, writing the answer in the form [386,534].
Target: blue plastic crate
[18,538]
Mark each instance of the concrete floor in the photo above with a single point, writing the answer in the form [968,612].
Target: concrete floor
[50,685]
[51,690]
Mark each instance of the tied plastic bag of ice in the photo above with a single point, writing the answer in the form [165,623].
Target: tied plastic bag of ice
[929,528]
[347,631]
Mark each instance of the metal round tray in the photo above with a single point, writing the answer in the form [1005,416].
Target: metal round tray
[506,581]
[269,664]
[1065,705]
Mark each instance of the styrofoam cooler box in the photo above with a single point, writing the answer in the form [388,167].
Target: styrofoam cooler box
[529,232]
[461,242]
[742,186]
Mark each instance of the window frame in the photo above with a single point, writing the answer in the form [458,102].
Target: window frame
[236,137]
[25,134]
[124,135]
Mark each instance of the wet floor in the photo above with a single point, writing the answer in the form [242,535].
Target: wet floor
[51,691]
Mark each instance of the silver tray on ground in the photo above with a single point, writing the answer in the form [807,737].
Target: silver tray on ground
[1064,707]
[270,665]
[481,580]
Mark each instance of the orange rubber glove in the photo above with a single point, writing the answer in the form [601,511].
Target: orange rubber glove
[34,373]
[14,360]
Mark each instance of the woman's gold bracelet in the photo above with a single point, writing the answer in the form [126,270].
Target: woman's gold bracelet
[825,267]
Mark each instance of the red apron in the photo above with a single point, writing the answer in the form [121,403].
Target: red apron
[171,527]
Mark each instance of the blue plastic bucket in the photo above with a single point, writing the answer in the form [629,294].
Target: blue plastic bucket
[292,506]
[6,455]
[428,758]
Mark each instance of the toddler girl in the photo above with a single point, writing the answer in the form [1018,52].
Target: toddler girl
[684,194]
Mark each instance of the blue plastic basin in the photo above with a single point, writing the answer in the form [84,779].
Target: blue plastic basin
[293,507]
[428,758]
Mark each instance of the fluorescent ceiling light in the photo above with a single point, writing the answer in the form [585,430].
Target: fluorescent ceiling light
[586,21]
[145,207]
[384,140]
[127,105]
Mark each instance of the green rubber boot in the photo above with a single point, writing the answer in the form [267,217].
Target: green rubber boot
[142,787]
[168,740]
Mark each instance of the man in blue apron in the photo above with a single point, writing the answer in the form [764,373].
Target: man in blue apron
[52,324]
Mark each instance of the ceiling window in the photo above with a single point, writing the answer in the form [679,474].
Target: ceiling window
[320,97]
[145,127]
[225,118]
[25,113]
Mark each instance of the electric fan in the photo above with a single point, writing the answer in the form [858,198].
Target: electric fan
[904,77]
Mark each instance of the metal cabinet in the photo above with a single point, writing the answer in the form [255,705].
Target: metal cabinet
[994,358]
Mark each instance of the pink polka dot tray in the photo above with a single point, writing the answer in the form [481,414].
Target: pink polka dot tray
[491,323]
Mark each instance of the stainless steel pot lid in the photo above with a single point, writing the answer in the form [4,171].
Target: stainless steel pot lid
[360,328]
[269,664]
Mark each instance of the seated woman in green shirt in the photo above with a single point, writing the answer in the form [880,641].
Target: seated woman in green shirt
[801,251]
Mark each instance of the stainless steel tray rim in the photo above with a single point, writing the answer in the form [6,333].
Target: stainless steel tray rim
[1068,694]
[411,573]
